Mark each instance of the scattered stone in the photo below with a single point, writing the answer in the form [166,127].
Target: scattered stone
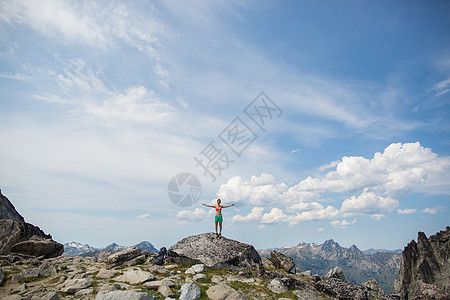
[277,286]
[12,297]
[281,261]
[158,269]
[22,288]
[153,285]
[71,286]
[135,276]
[199,268]
[217,279]
[305,273]
[165,290]
[223,291]
[336,272]
[84,292]
[123,256]
[342,290]
[305,294]
[240,278]
[124,295]
[199,277]
[2,276]
[105,274]
[46,270]
[50,296]
[190,291]
[25,274]
[190,271]
[217,253]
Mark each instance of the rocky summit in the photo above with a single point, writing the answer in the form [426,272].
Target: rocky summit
[425,268]
[131,274]
[219,253]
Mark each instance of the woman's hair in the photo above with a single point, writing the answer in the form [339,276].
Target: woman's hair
[218,200]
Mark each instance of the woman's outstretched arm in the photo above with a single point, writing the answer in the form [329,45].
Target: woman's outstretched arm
[228,205]
[208,205]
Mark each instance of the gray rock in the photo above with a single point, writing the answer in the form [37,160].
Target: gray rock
[12,297]
[105,274]
[124,295]
[50,296]
[135,276]
[267,263]
[2,276]
[84,292]
[199,277]
[217,279]
[281,261]
[165,290]
[306,294]
[28,273]
[277,286]
[45,269]
[123,256]
[135,261]
[223,291]
[199,268]
[374,286]
[190,271]
[217,253]
[158,269]
[71,286]
[342,290]
[336,272]
[153,285]
[190,291]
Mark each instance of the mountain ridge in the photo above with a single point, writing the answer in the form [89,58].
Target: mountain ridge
[358,267]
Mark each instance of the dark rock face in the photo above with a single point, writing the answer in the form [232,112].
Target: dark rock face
[219,253]
[425,269]
[8,211]
[281,261]
[336,272]
[24,239]
[13,232]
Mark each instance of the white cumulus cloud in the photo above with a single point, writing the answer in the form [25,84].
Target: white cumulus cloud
[254,215]
[406,211]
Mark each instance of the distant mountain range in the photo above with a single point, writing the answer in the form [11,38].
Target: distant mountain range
[373,251]
[382,265]
[78,249]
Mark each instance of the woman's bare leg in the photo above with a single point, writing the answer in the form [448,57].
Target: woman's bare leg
[216,226]
[220,228]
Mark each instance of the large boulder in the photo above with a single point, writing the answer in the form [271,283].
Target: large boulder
[281,261]
[123,256]
[219,253]
[425,268]
[25,238]
[8,211]
[37,246]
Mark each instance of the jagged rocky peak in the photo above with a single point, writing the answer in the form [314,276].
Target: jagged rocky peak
[8,211]
[329,245]
[425,268]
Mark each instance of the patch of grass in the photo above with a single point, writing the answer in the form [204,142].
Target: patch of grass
[11,271]
[31,279]
[54,280]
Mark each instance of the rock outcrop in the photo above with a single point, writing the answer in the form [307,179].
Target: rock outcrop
[281,261]
[219,253]
[8,211]
[336,272]
[21,238]
[425,268]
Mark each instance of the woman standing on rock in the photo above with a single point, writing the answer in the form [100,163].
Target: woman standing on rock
[218,219]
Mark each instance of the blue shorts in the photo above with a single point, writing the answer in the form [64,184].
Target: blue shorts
[218,219]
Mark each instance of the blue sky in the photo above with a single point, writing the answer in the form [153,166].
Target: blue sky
[103,102]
